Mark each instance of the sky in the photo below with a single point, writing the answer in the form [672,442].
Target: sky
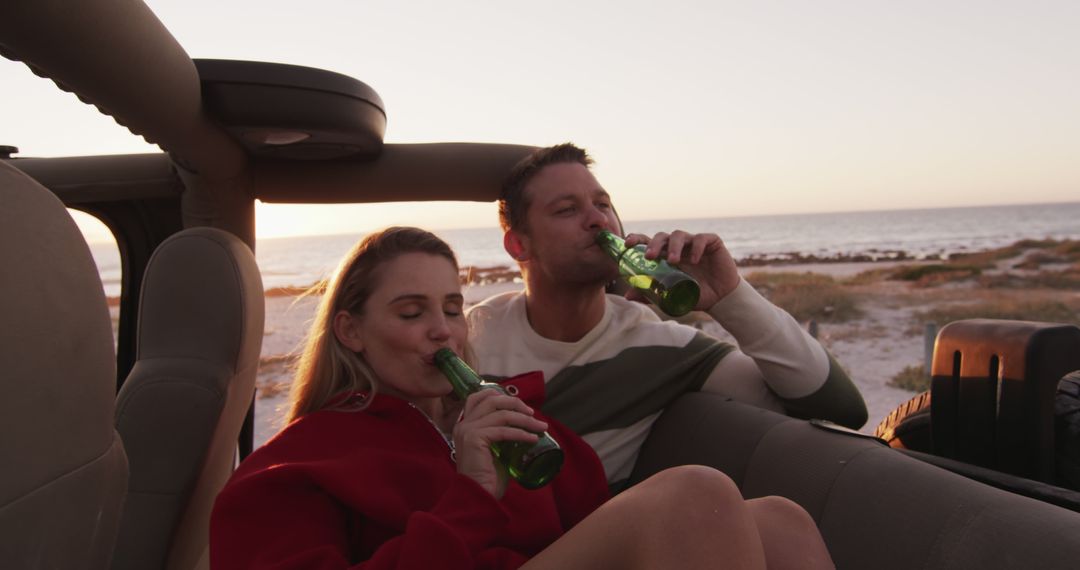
[691,109]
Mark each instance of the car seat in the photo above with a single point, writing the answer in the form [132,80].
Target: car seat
[876,507]
[64,471]
[200,327]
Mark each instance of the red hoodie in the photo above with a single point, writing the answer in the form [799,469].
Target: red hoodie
[378,489]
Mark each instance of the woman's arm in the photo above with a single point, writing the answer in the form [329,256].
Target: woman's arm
[284,520]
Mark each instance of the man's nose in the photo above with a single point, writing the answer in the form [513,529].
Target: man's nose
[596,219]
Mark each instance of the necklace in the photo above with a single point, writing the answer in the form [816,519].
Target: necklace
[449,440]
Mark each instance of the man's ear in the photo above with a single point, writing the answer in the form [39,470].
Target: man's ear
[345,330]
[515,245]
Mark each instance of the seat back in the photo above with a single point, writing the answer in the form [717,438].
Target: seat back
[200,328]
[993,388]
[63,473]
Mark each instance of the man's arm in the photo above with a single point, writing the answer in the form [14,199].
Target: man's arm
[779,360]
[779,365]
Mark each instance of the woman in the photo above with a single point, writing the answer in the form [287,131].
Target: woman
[380,466]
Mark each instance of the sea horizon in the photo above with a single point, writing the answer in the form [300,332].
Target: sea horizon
[494,224]
[916,233]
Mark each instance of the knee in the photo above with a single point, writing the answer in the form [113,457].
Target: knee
[777,509]
[690,487]
[691,514]
[696,476]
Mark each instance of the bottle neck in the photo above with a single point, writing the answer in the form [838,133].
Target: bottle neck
[614,245]
[464,380]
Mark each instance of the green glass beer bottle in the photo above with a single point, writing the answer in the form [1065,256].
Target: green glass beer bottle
[532,465]
[675,292]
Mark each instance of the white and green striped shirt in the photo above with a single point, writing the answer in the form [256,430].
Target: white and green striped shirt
[611,385]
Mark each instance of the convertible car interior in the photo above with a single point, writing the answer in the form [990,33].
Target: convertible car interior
[114,449]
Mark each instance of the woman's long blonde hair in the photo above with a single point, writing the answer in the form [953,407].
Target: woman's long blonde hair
[326,368]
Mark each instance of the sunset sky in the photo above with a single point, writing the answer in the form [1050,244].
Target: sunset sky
[691,109]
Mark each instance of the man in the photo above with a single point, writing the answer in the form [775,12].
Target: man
[612,365]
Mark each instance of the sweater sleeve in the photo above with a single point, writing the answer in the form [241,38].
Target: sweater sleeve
[780,364]
[275,518]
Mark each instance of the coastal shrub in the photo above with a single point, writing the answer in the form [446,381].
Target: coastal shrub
[1011,309]
[968,266]
[935,274]
[807,296]
[1035,244]
[1069,248]
[1068,279]
[1044,244]
[913,378]
[989,257]
[1038,259]
[869,276]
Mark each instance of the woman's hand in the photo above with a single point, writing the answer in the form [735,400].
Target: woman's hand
[490,417]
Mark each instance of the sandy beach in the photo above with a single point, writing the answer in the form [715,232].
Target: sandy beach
[872,349]
[883,335]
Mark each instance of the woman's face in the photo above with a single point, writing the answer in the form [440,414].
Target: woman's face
[415,309]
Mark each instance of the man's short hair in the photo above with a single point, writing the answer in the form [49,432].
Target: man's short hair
[512,201]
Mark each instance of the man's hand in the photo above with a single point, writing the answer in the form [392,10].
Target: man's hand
[703,256]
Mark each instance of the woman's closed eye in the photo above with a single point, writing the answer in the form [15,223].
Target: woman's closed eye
[453,309]
[410,310]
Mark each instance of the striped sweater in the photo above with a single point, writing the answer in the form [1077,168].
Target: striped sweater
[611,385]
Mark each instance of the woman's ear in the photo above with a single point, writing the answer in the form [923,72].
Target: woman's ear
[345,329]
[514,243]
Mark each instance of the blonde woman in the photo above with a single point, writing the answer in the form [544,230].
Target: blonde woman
[380,467]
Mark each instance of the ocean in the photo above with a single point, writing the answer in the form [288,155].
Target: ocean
[301,261]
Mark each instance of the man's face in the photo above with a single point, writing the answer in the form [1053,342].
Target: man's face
[567,207]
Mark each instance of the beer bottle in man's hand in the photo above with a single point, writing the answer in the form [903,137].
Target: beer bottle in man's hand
[675,292]
[532,465]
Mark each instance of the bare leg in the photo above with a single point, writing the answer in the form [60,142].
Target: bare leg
[685,517]
[789,535]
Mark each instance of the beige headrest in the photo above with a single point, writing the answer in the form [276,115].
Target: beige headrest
[203,299]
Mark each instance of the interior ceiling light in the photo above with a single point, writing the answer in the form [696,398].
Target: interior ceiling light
[277,138]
